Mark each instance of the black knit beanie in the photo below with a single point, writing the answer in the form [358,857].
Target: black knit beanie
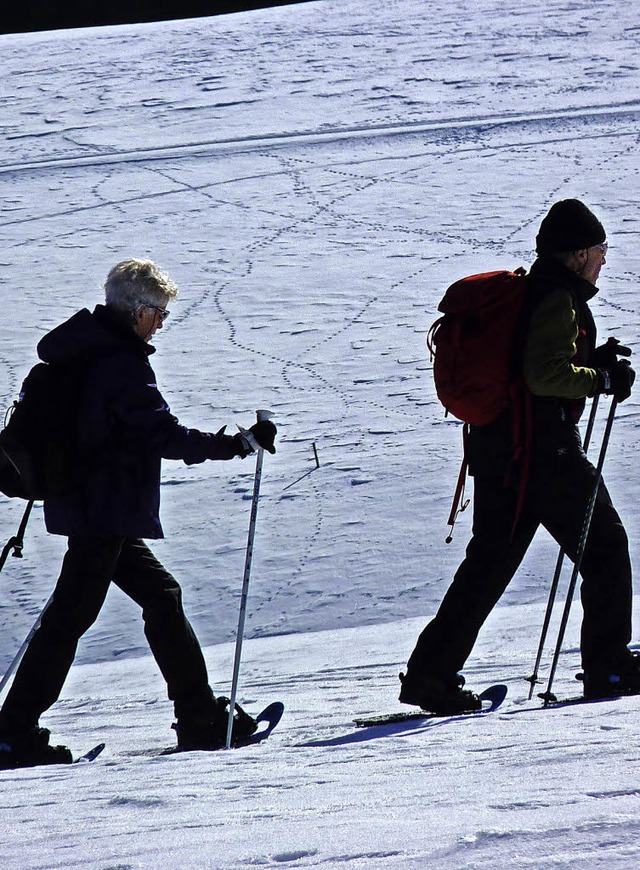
[569,226]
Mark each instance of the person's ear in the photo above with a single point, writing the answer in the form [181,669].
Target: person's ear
[581,257]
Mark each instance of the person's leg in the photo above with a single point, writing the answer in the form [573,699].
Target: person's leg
[202,718]
[561,502]
[492,557]
[171,638]
[77,599]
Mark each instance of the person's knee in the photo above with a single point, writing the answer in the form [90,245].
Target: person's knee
[68,622]
[167,605]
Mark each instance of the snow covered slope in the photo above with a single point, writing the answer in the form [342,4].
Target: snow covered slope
[314,177]
[521,788]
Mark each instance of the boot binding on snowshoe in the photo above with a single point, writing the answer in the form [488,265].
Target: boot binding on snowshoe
[440,696]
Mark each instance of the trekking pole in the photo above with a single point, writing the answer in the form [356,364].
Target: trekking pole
[261,415]
[18,656]
[533,679]
[307,473]
[16,542]
[548,696]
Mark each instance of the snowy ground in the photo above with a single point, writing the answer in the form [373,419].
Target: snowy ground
[313,177]
[520,788]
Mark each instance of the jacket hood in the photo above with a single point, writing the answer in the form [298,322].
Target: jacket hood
[88,334]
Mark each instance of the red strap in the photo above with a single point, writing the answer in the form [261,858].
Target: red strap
[459,503]
[522,435]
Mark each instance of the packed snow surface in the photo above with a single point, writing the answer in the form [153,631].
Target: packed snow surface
[313,177]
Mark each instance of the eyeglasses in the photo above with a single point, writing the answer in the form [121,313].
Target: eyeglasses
[161,311]
[604,247]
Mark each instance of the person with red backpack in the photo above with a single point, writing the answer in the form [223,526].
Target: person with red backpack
[529,469]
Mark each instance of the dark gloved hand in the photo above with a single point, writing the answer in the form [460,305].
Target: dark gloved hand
[607,354]
[617,380]
[263,434]
[264,431]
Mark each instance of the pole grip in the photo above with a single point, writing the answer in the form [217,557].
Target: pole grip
[262,415]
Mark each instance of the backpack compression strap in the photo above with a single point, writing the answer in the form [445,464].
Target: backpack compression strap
[459,503]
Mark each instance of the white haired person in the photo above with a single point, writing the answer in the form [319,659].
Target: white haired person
[124,429]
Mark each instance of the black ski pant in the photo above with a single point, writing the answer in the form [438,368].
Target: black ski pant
[89,566]
[557,498]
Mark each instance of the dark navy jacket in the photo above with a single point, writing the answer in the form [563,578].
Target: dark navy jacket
[124,430]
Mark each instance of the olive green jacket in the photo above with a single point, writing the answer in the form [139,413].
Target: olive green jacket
[551,362]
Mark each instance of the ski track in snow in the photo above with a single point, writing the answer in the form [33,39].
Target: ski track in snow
[314,177]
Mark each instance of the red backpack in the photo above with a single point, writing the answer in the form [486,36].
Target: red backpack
[473,346]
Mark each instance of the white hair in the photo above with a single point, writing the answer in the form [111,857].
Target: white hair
[134,283]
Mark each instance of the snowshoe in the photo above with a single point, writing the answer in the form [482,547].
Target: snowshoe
[613,682]
[31,750]
[438,695]
[209,732]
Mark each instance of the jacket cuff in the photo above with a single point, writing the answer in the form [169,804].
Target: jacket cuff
[604,381]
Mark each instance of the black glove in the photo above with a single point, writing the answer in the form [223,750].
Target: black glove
[263,432]
[607,354]
[617,380]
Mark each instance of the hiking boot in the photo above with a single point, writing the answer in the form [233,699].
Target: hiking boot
[443,696]
[623,678]
[31,749]
[208,731]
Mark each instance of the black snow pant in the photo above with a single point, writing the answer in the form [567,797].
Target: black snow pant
[557,498]
[89,566]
